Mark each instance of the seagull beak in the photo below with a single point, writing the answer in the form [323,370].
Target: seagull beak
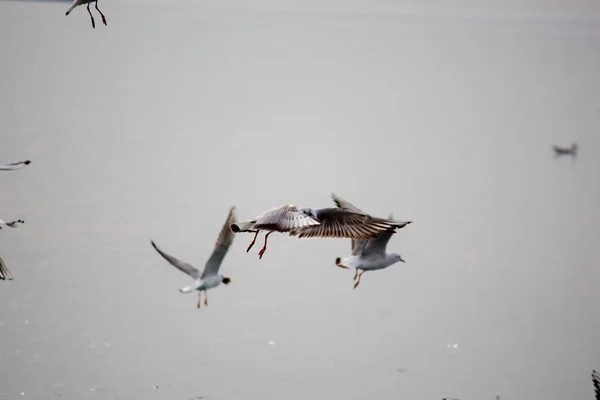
[317,219]
[402,260]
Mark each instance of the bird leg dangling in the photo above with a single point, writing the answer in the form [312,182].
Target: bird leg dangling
[356,274]
[205,298]
[199,298]
[103,18]
[262,251]
[253,241]
[91,16]
[358,281]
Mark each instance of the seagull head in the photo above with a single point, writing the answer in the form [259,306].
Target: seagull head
[226,280]
[398,257]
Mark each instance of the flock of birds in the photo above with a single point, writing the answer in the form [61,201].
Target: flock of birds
[369,236]
[4,272]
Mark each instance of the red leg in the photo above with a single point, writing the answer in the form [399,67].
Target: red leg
[103,19]
[262,251]
[253,241]
[91,16]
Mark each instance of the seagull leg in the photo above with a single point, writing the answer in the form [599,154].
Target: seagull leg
[356,274]
[103,19]
[358,281]
[91,16]
[205,298]
[199,298]
[262,251]
[253,241]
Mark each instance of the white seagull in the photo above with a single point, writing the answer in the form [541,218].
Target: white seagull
[88,2]
[369,254]
[310,223]
[12,224]
[210,278]
[15,166]
[4,272]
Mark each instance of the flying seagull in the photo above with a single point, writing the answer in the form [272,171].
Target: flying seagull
[367,254]
[562,151]
[210,277]
[4,272]
[12,224]
[304,222]
[15,166]
[88,2]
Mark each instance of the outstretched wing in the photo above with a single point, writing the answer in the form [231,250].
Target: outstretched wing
[357,244]
[4,272]
[343,204]
[180,265]
[340,223]
[15,166]
[221,247]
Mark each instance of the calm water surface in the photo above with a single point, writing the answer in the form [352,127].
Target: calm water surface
[154,126]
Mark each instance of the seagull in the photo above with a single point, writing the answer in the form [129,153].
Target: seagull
[367,254]
[88,2]
[15,166]
[4,272]
[306,222]
[210,277]
[561,151]
[12,224]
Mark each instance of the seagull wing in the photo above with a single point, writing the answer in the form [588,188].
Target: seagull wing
[340,223]
[15,166]
[4,272]
[343,204]
[377,245]
[221,247]
[357,244]
[180,265]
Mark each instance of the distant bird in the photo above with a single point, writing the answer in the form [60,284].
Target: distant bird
[210,277]
[4,272]
[367,254]
[12,224]
[88,2]
[562,151]
[311,223]
[596,381]
[15,166]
